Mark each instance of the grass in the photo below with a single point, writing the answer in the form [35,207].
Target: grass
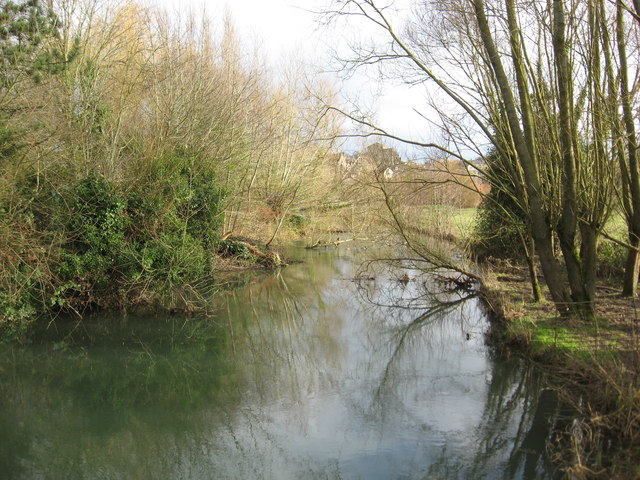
[462,221]
[456,223]
[592,365]
[578,340]
[548,334]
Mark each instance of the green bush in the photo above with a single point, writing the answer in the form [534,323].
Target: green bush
[170,260]
[17,313]
[235,249]
[298,222]
[494,235]
[611,260]
[20,276]
[96,233]
[176,216]
[497,233]
[82,241]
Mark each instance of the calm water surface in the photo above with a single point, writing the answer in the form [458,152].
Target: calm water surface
[302,374]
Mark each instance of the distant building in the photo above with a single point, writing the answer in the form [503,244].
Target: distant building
[345,162]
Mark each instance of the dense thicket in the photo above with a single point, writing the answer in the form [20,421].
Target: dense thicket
[130,141]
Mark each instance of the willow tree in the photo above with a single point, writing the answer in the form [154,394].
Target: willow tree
[629,168]
[529,78]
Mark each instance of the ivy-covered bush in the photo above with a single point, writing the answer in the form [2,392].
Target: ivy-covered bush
[175,217]
[106,241]
[611,260]
[95,229]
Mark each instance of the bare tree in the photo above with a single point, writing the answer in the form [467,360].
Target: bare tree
[530,92]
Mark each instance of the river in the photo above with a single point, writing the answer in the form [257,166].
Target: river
[319,371]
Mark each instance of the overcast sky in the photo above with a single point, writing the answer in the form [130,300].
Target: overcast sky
[280,25]
[289,27]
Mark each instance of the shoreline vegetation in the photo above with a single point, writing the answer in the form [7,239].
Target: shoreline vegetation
[592,366]
[131,141]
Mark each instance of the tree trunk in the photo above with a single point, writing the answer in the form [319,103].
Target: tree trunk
[631,174]
[583,301]
[589,258]
[529,250]
[632,267]
[540,228]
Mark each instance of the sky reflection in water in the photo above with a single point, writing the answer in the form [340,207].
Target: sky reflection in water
[302,374]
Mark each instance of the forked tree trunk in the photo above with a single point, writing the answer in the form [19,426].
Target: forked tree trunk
[540,229]
[567,228]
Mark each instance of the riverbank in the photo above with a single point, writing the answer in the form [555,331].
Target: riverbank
[118,251]
[181,284]
[593,367]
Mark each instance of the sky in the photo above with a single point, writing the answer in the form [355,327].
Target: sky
[278,25]
[283,28]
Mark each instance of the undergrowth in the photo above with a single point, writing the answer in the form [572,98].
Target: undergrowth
[72,242]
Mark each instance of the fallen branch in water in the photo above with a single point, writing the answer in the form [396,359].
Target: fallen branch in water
[271,257]
[335,243]
[235,247]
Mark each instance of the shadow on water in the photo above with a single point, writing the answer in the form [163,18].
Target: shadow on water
[305,374]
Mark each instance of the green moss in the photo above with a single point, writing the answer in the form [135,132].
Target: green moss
[551,335]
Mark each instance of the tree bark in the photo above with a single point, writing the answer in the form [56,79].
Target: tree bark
[540,228]
[531,265]
[631,175]
[567,227]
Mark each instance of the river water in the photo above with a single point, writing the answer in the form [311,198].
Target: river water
[320,371]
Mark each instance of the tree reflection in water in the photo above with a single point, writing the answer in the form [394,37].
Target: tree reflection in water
[519,416]
[306,374]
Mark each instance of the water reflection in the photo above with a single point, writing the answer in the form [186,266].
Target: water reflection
[306,374]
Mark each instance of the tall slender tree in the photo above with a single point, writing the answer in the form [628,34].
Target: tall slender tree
[527,91]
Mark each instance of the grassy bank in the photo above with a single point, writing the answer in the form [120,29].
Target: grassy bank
[593,366]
